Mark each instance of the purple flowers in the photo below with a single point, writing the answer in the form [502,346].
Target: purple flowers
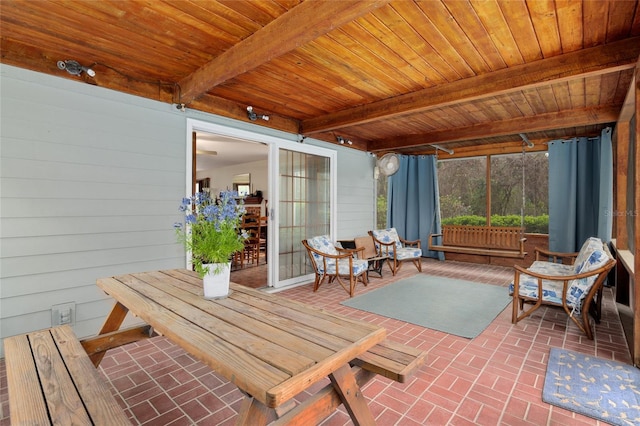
[211,228]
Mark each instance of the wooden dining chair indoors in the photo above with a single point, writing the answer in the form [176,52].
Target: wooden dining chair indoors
[252,246]
[263,237]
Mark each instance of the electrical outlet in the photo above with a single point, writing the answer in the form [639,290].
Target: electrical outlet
[64,313]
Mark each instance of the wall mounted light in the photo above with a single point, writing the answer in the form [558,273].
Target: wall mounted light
[343,140]
[253,116]
[74,68]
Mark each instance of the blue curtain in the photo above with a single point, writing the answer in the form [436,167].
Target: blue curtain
[413,202]
[580,191]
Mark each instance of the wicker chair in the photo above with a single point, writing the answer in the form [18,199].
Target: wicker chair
[334,263]
[575,285]
[397,250]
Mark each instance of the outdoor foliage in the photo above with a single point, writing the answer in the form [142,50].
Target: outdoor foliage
[462,185]
[532,224]
[381,202]
[463,191]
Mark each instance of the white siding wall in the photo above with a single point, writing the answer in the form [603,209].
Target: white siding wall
[90,184]
[356,193]
[90,181]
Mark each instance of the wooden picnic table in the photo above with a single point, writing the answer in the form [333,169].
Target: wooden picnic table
[272,348]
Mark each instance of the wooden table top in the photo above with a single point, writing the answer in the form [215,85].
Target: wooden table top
[270,347]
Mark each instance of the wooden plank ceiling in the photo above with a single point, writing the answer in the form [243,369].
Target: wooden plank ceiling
[386,75]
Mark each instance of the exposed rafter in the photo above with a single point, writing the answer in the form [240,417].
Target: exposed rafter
[580,64]
[540,122]
[302,24]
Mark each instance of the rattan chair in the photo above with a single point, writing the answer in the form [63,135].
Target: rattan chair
[333,263]
[396,249]
[575,285]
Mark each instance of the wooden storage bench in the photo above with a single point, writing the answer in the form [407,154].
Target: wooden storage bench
[52,381]
[389,359]
[481,240]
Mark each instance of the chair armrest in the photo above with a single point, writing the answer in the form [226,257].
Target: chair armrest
[522,241]
[381,245]
[409,243]
[520,269]
[331,256]
[555,255]
[358,251]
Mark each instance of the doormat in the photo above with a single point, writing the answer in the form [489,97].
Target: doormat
[457,307]
[599,388]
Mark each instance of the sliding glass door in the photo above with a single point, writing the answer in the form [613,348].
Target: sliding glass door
[301,192]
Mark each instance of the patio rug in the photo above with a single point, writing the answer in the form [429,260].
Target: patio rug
[603,389]
[456,307]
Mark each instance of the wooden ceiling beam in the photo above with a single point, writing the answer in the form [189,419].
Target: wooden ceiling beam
[541,122]
[612,57]
[230,109]
[300,25]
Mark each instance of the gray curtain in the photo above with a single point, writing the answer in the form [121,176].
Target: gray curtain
[580,191]
[413,201]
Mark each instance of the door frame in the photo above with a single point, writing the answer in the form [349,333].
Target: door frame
[274,143]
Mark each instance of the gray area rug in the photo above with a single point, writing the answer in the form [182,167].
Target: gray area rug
[457,307]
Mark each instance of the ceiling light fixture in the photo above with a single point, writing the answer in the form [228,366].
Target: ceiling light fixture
[526,140]
[74,68]
[343,140]
[253,116]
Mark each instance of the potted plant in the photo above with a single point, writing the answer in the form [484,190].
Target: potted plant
[211,233]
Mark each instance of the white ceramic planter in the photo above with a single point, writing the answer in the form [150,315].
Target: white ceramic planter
[216,282]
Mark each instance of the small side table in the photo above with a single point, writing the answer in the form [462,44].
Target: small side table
[376,264]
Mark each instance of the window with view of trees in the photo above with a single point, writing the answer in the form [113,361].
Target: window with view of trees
[463,191]
[381,201]
[462,185]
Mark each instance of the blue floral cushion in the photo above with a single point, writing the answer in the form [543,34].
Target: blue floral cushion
[323,244]
[588,247]
[359,266]
[388,235]
[579,288]
[551,290]
[407,253]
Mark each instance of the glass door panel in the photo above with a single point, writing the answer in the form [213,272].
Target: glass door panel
[304,208]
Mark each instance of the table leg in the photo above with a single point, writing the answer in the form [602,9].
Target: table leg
[112,323]
[347,387]
[253,412]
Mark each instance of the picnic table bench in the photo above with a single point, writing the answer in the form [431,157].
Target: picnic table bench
[388,358]
[271,347]
[52,381]
[52,377]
